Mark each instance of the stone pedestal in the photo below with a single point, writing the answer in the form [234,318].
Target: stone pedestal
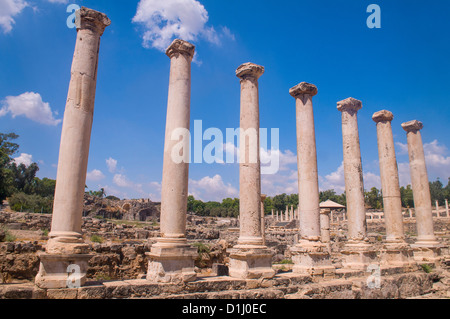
[171,261]
[65,238]
[171,258]
[250,262]
[62,271]
[427,246]
[358,255]
[250,258]
[312,258]
[398,255]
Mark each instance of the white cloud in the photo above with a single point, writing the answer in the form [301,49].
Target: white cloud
[25,159]
[8,10]
[165,20]
[335,180]
[212,189]
[95,175]
[122,181]
[112,165]
[437,159]
[58,1]
[30,105]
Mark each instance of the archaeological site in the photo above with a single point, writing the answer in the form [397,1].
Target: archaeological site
[96,248]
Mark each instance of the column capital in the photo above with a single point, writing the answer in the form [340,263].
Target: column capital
[179,46]
[302,89]
[95,21]
[383,116]
[263,197]
[412,126]
[349,104]
[249,70]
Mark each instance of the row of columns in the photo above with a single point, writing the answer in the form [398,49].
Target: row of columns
[171,259]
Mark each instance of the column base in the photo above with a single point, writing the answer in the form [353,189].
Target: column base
[55,273]
[427,251]
[398,255]
[66,245]
[250,262]
[171,262]
[359,255]
[312,258]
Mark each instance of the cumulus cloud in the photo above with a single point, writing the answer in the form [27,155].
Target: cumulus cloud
[112,164]
[25,159]
[212,189]
[437,158]
[58,1]
[165,20]
[31,106]
[95,176]
[8,10]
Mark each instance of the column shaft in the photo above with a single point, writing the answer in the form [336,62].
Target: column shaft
[308,178]
[389,177]
[174,192]
[354,184]
[420,183]
[76,133]
[250,170]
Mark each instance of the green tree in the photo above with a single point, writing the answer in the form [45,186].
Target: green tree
[24,177]
[407,196]
[437,192]
[7,149]
[374,198]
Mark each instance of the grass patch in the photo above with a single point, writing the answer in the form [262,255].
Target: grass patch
[427,268]
[286,262]
[202,248]
[96,239]
[8,237]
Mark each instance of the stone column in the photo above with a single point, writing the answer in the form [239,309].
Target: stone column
[437,209]
[396,252]
[250,258]
[325,227]
[263,219]
[358,253]
[171,259]
[426,247]
[66,246]
[309,255]
[446,208]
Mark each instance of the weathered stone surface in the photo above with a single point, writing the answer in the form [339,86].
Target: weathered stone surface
[303,89]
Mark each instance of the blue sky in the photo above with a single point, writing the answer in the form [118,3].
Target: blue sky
[402,67]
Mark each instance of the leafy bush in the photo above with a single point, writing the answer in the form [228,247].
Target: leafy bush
[21,202]
[6,236]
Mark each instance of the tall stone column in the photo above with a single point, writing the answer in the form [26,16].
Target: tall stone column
[171,259]
[250,258]
[426,247]
[309,255]
[396,252]
[357,252]
[66,247]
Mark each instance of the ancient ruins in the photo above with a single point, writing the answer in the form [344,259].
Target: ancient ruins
[333,250]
